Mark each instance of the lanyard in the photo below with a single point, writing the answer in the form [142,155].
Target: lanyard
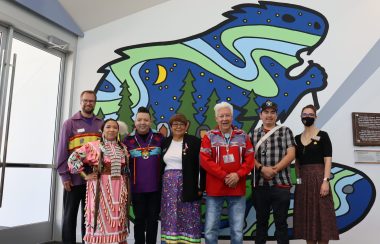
[150,140]
[228,140]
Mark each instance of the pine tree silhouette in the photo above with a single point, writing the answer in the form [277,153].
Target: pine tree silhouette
[187,102]
[125,112]
[249,117]
[210,113]
[100,114]
[152,118]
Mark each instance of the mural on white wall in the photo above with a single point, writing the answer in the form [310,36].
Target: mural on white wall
[244,60]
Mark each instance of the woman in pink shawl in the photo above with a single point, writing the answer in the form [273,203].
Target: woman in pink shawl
[107,198]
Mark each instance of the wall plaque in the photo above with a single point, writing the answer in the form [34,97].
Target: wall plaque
[367,156]
[366,129]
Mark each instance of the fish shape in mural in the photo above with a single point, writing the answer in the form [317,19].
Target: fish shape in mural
[244,60]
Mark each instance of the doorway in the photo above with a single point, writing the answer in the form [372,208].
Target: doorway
[30,95]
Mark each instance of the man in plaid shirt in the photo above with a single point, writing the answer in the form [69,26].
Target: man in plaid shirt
[272,179]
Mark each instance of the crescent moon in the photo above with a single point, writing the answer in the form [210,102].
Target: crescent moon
[162,73]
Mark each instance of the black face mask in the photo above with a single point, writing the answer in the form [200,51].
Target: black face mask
[308,121]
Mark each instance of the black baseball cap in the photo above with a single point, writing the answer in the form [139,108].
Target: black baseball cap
[269,104]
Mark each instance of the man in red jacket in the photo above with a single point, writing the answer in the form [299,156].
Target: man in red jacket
[227,156]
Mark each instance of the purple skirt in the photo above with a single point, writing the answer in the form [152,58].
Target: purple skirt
[180,221]
[314,216]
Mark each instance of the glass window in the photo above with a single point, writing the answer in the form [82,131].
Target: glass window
[34,105]
[26,196]
[27,191]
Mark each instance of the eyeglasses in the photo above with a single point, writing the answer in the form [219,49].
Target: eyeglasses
[178,124]
[307,115]
[88,101]
[227,116]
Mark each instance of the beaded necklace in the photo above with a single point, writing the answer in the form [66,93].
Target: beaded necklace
[144,150]
[112,150]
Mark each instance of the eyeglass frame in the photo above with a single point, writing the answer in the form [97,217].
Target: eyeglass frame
[227,116]
[88,101]
[178,124]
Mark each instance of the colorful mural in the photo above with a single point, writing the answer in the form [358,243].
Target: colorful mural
[244,60]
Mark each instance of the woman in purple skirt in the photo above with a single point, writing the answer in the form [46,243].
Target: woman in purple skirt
[314,214]
[182,185]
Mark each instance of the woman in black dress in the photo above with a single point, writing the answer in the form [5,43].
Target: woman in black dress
[314,213]
[183,182]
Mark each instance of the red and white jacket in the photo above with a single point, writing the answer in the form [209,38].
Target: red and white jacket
[214,147]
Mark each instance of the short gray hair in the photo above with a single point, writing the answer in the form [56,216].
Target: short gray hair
[221,105]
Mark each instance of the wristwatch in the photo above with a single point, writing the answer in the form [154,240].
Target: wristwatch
[326,179]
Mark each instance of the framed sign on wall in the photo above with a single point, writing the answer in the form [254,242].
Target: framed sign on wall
[366,129]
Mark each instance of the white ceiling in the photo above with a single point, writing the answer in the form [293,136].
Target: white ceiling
[89,14]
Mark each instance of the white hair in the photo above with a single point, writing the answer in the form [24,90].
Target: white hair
[123,127]
[221,105]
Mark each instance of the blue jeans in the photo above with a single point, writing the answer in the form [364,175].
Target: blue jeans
[236,211]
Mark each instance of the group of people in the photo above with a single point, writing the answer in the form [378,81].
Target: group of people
[166,178]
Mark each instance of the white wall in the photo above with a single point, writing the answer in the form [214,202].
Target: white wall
[353,31]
